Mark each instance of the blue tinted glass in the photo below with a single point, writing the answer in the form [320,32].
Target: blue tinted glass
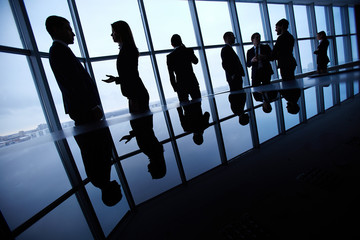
[352,20]
[301,21]
[266,124]
[306,55]
[328,97]
[217,72]
[337,21]
[340,49]
[64,222]
[276,12]
[342,86]
[354,48]
[9,36]
[291,120]
[214,21]
[321,19]
[310,102]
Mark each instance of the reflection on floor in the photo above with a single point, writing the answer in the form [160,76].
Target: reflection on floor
[301,185]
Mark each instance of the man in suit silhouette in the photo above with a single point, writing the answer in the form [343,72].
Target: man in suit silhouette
[258,58]
[283,49]
[231,63]
[82,103]
[182,77]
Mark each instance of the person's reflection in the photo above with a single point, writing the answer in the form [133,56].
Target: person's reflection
[96,152]
[193,120]
[292,96]
[237,104]
[142,130]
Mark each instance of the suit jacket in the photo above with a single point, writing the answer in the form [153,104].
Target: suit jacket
[179,63]
[234,70]
[266,67]
[283,49]
[321,52]
[78,90]
[130,82]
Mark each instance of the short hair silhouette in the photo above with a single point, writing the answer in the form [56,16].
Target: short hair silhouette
[176,40]
[283,23]
[53,23]
[227,35]
[244,119]
[123,29]
[254,35]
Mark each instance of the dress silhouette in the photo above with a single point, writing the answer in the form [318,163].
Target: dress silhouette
[322,59]
[82,103]
[182,76]
[128,78]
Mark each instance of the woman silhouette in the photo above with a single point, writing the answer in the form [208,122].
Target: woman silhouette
[130,82]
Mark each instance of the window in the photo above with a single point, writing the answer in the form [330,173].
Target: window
[97,25]
[214,21]
[10,36]
[167,18]
[306,56]
[338,21]
[321,19]
[301,21]
[276,12]
[251,11]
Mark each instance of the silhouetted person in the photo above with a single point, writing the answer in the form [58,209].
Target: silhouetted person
[142,130]
[234,71]
[258,58]
[283,51]
[292,96]
[237,104]
[82,103]
[182,76]
[130,82]
[193,120]
[322,59]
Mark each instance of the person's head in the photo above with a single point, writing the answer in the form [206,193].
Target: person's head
[157,166]
[244,119]
[176,40]
[255,38]
[321,35]
[121,33]
[229,38]
[292,107]
[266,107]
[198,138]
[59,29]
[281,26]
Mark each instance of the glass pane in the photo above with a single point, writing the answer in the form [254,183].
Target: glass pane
[306,55]
[217,72]
[337,21]
[310,102]
[248,11]
[291,120]
[276,12]
[266,123]
[97,30]
[340,49]
[214,21]
[198,159]
[352,20]
[321,19]
[354,48]
[328,97]
[142,185]
[301,21]
[237,138]
[342,87]
[38,11]
[108,217]
[356,87]
[9,36]
[64,222]
[167,18]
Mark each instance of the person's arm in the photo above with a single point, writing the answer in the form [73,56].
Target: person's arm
[171,73]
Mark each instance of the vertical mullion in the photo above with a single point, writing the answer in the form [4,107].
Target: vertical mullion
[205,68]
